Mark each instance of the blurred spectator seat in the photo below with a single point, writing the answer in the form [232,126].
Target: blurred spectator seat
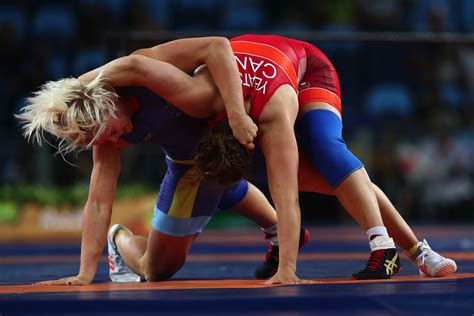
[6,98]
[196,7]
[103,13]
[466,55]
[289,20]
[202,15]
[159,10]
[345,56]
[440,167]
[14,17]
[467,15]
[389,99]
[242,15]
[56,23]
[57,67]
[88,59]
[451,95]
[146,15]
[114,7]
[384,15]
[433,16]
[341,47]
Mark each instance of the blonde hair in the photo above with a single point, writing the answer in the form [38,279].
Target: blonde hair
[74,112]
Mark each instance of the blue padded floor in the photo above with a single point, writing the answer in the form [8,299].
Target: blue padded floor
[327,259]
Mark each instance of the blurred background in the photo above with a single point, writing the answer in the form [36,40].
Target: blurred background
[407,78]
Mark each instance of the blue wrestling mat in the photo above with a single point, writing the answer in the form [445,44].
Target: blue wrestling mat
[218,279]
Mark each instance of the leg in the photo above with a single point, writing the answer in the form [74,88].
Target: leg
[159,258]
[310,180]
[320,131]
[357,196]
[421,255]
[256,207]
[429,262]
[173,226]
[396,225]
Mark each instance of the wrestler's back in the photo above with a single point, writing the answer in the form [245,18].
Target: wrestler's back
[158,122]
[293,49]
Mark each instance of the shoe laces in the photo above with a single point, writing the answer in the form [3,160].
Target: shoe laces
[426,254]
[376,259]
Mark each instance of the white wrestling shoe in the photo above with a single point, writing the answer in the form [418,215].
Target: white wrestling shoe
[118,271]
[430,263]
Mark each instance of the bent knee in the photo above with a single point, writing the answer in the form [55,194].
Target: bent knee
[156,273]
[157,277]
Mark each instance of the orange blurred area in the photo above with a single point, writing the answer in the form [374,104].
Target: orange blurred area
[63,224]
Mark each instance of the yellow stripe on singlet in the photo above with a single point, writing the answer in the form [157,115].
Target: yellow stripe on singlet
[185,192]
[185,162]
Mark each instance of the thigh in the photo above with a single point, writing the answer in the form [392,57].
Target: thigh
[233,195]
[309,179]
[186,202]
[184,206]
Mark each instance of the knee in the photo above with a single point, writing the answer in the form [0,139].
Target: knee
[333,159]
[161,272]
[156,275]
[328,144]
[325,150]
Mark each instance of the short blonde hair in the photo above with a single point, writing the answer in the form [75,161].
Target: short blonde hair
[74,112]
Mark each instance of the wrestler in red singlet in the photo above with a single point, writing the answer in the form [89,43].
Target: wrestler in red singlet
[320,132]
[266,62]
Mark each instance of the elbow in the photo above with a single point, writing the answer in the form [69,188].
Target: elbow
[220,41]
[132,70]
[143,52]
[220,44]
[138,52]
[131,64]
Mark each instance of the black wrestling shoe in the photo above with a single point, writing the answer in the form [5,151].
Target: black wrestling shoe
[382,264]
[270,265]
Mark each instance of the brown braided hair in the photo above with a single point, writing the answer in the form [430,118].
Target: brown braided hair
[220,158]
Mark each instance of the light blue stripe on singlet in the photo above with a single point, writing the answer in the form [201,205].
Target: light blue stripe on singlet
[176,226]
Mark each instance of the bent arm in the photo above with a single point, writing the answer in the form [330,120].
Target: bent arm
[216,53]
[189,53]
[193,95]
[98,208]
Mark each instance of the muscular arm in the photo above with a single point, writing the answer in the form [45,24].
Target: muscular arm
[193,95]
[97,212]
[216,53]
[279,147]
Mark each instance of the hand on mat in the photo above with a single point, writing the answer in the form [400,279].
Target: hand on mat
[283,277]
[244,129]
[75,280]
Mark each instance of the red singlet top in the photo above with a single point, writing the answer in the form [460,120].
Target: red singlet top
[268,61]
